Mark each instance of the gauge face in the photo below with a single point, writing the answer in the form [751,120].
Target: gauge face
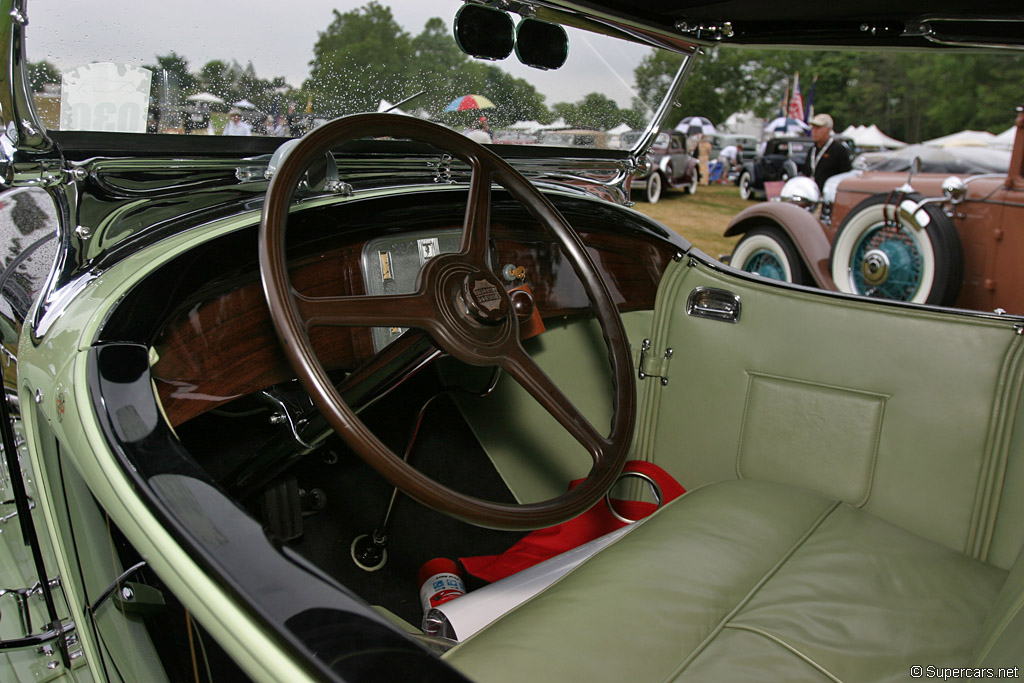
[391,263]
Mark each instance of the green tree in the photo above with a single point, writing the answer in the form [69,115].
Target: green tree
[597,112]
[42,73]
[910,96]
[172,69]
[361,58]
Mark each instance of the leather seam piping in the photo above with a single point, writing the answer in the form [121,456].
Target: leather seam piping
[753,591]
[779,641]
[995,459]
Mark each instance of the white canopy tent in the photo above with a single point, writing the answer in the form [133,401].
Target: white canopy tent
[1005,139]
[870,137]
[526,125]
[965,138]
[387,107]
[206,97]
[556,125]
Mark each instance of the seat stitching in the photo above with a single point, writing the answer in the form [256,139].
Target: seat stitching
[779,641]
[753,591]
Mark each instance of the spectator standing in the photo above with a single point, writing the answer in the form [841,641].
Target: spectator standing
[829,155]
[235,124]
[478,132]
[704,157]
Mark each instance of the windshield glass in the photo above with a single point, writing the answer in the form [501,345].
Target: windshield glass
[280,69]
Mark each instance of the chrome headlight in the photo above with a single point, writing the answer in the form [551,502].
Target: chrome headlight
[802,191]
[954,189]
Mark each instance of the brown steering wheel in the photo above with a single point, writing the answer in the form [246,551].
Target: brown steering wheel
[460,307]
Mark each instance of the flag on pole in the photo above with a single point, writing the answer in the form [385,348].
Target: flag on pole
[809,111]
[796,105]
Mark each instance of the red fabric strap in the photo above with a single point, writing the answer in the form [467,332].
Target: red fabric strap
[542,544]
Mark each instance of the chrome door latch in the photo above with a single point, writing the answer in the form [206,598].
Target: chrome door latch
[714,304]
[652,366]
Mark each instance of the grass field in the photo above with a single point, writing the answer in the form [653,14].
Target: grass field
[701,217]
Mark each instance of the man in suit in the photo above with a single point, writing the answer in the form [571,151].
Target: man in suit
[829,155]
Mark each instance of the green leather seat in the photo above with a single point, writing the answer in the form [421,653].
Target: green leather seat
[750,580]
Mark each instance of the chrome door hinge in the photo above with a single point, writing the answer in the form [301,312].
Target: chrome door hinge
[652,364]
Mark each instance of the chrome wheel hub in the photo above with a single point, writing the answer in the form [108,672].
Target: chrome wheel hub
[875,267]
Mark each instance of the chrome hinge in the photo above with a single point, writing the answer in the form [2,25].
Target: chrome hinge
[443,169]
[11,515]
[651,365]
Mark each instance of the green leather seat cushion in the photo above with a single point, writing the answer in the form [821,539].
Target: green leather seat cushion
[742,580]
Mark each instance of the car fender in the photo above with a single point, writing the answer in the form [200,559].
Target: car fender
[800,225]
[691,167]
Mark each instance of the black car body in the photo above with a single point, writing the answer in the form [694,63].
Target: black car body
[778,161]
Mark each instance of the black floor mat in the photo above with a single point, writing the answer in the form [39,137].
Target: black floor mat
[357,497]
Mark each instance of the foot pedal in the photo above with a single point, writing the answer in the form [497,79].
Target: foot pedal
[282,510]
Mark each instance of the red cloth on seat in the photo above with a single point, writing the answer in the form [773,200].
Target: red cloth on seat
[542,544]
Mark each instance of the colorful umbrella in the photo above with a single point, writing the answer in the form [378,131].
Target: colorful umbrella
[467,102]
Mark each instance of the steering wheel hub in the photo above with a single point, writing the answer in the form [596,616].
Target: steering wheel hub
[482,298]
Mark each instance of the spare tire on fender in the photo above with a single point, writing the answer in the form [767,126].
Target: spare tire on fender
[888,247]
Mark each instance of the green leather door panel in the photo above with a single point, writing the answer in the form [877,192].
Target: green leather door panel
[907,412]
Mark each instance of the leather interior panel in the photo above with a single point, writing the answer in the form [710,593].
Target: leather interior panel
[745,577]
[820,437]
[944,377]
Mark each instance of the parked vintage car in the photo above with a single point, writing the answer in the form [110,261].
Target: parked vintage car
[778,161]
[254,386]
[927,237]
[720,141]
[671,166]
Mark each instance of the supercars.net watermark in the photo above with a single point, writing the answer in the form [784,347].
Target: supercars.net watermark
[946,673]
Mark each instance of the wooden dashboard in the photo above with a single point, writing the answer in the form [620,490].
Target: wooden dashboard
[224,346]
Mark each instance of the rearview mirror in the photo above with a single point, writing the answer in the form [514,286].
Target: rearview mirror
[483,32]
[541,45]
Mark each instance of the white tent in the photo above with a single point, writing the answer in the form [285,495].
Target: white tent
[387,107]
[558,124]
[526,125]
[207,97]
[619,129]
[965,138]
[743,123]
[244,104]
[870,137]
[1005,139]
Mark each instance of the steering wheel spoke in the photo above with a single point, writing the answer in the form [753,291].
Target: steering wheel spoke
[393,365]
[476,228]
[402,310]
[539,385]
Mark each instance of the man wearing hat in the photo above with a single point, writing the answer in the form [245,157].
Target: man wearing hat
[235,124]
[829,155]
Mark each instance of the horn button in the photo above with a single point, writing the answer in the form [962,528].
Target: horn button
[481,299]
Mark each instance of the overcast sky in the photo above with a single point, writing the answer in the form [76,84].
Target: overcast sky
[278,37]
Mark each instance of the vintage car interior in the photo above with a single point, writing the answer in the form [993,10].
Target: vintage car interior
[243,349]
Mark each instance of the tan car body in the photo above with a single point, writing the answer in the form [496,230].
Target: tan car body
[989,221]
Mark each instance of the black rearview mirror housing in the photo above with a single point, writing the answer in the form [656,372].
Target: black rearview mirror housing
[483,32]
[541,45]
